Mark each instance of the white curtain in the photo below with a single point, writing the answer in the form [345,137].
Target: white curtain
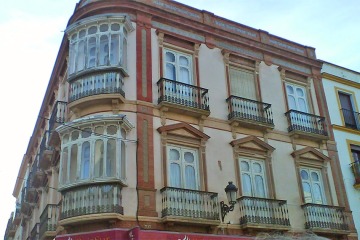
[242,83]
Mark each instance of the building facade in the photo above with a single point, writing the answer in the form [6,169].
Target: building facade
[342,89]
[154,108]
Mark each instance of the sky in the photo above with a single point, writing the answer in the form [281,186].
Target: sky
[31,33]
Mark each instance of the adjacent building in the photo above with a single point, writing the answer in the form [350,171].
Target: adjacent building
[342,90]
[164,121]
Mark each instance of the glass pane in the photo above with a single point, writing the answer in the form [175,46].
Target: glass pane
[304,175]
[73,162]
[302,105]
[99,158]
[314,176]
[111,158]
[169,57]
[317,194]
[189,157]
[246,185]
[123,159]
[80,61]
[86,132]
[175,178]
[64,165]
[72,55]
[292,103]
[170,72]
[184,61]
[82,33]
[257,168]
[244,166]
[92,30]
[190,178]
[74,135]
[124,55]
[65,139]
[85,161]
[115,27]
[115,49]
[290,89]
[92,52]
[307,192]
[184,76]
[174,155]
[260,186]
[104,27]
[99,130]
[299,92]
[111,130]
[104,50]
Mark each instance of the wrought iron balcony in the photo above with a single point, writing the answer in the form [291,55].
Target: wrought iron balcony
[39,176]
[325,218]
[306,124]
[263,213]
[183,97]
[93,199]
[25,205]
[177,202]
[351,119]
[355,166]
[45,152]
[48,221]
[31,195]
[109,82]
[17,214]
[34,235]
[250,112]
[10,228]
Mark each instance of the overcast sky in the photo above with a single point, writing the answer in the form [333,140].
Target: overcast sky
[31,32]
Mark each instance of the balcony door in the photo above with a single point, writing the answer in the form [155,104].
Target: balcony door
[312,186]
[253,178]
[242,83]
[296,96]
[347,109]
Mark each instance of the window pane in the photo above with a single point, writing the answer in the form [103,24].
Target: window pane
[170,71]
[111,158]
[86,132]
[80,61]
[73,162]
[74,135]
[111,130]
[190,178]
[289,89]
[64,165]
[91,52]
[184,61]
[104,27]
[260,186]
[115,27]
[317,194]
[175,178]
[99,158]
[72,54]
[292,103]
[92,30]
[184,76]
[302,105]
[257,168]
[245,166]
[123,159]
[115,49]
[85,161]
[104,50]
[299,92]
[124,54]
[189,157]
[170,57]
[246,184]
[174,155]
[304,175]
[307,192]
[314,176]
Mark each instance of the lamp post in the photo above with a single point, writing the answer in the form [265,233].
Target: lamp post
[231,194]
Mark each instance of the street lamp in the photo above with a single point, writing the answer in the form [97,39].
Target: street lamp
[231,194]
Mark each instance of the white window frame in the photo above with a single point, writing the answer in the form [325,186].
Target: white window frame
[296,97]
[183,165]
[312,184]
[177,65]
[252,174]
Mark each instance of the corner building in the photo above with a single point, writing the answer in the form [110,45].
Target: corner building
[153,107]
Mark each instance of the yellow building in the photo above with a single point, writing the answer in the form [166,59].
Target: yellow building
[156,111]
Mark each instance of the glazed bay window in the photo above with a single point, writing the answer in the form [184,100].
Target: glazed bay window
[98,43]
[92,153]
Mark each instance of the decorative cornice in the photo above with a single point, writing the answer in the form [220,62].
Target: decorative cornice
[185,126]
[340,80]
[310,150]
[265,146]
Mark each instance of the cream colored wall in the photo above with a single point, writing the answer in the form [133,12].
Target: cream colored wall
[130,82]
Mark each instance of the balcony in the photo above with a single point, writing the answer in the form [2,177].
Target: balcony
[10,228]
[48,221]
[183,98]
[355,166]
[324,218]
[351,119]
[39,176]
[263,213]
[34,235]
[189,206]
[17,214]
[46,152]
[25,207]
[103,199]
[58,117]
[99,87]
[250,113]
[306,125]
[31,195]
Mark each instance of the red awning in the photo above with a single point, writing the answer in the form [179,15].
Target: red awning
[138,234]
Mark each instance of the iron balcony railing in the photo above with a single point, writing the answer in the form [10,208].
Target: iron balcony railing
[58,115]
[10,227]
[97,83]
[34,235]
[24,205]
[351,119]
[325,217]
[189,203]
[49,218]
[261,211]
[17,214]
[183,94]
[243,108]
[45,148]
[92,199]
[38,173]
[355,166]
[305,122]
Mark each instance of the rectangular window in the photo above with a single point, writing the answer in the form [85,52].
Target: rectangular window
[183,170]
[242,83]
[312,186]
[347,109]
[296,96]
[253,179]
[178,66]
[355,151]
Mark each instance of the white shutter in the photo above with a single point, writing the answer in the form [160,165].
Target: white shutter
[242,83]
